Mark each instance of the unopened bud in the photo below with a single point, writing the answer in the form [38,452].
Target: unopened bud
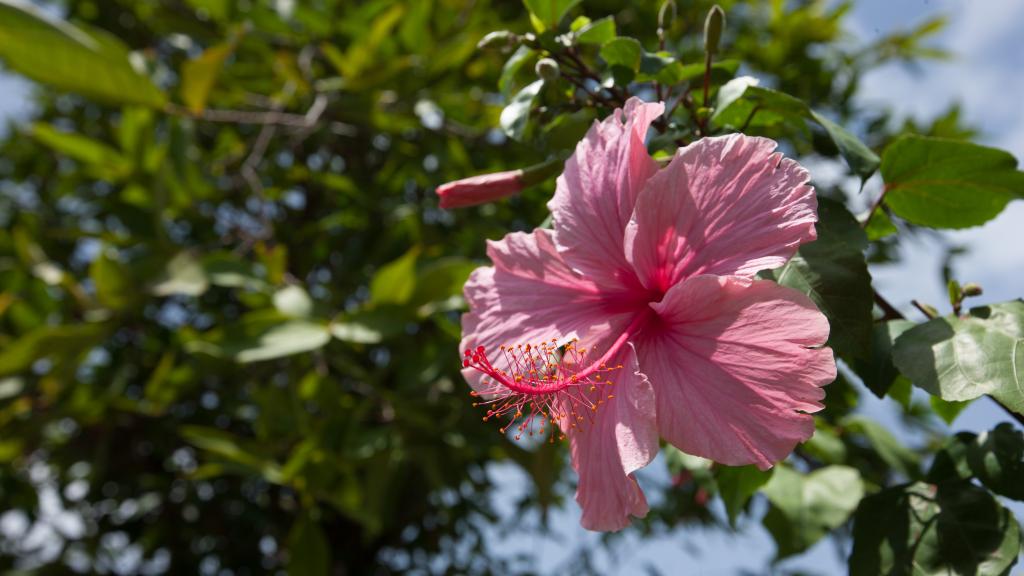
[500,39]
[713,26]
[972,289]
[480,189]
[547,69]
[490,187]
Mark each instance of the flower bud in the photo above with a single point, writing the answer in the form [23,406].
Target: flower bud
[490,187]
[713,29]
[500,39]
[480,189]
[972,289]
[547,69]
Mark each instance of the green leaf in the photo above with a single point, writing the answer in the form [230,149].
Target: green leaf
[115,288]
[58,54]
[371,326]
[722,72]
[662,67]
[736,484]
[742,102]
[49,341]
[877,370]
[826,445]
[104,162]
[233,449]
[512,66]
[183,275]
[441,280]
[995,458]
[806,507]
[947,410]
[963,358]
[861,159]
[285,339]
[923,529]
[832,271]
[889,449]
[516,116]
[263,335]
[947,183]
[227,270]
[879,226]
[625,52]
[188,275]
[549,12]
[199,75]
[597,32]
[395,282]
[293,301]
[308,552]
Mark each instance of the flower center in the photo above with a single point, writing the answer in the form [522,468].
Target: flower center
[540,386]
[543,386]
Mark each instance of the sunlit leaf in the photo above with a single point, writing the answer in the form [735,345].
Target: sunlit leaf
[947,183]
[963,358]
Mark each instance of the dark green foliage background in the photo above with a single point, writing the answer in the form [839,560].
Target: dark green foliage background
[229,302]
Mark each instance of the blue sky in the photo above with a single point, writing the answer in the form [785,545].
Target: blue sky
[985,77]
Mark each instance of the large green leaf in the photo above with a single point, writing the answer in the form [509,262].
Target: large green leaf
[741,102]
[966,357]
[924,529]
[806,507]
[948,183]
[832,271]
[55,53]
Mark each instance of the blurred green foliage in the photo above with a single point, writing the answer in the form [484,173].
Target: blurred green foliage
[229,301]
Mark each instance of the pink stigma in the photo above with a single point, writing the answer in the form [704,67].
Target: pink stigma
[540,387]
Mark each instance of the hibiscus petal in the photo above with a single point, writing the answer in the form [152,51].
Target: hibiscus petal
[737,366]
[617,439]
[727,205]
[596,193]
[531,295]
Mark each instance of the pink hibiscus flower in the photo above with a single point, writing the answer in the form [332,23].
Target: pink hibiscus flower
[653,271]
